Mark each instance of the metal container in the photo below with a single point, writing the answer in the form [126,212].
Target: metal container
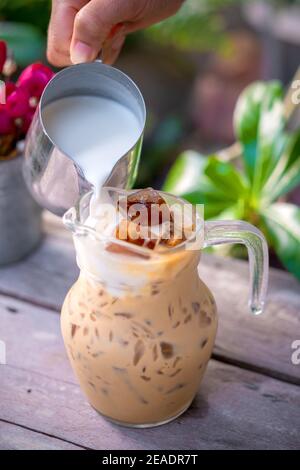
[52,176]
[20,216]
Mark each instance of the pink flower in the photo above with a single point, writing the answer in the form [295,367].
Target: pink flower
[9,88]
[3,54]
[17,103]
[32,69]
[22,99]
[6,90]
[26,120]
[7,125]
[34,79]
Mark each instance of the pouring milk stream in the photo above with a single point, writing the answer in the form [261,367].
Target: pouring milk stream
[87,132]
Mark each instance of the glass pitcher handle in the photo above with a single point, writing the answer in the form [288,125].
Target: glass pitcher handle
[236,231]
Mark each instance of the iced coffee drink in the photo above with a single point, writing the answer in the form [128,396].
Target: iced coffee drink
[138,325]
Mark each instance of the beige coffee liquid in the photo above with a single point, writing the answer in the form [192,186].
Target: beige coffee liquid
[140,355]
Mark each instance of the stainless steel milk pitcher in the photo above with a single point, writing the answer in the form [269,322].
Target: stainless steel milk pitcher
[53,177]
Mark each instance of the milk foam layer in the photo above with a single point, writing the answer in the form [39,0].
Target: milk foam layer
[119,269]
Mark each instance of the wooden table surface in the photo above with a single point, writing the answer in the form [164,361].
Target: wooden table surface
[249,399]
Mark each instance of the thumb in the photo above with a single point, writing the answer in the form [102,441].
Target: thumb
[93,24]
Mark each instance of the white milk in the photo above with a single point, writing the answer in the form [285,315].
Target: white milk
[94,131]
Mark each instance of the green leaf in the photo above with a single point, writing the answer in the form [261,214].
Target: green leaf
[225,178]
[248,108]
[25,41]
[247,112]
[282,224]
[271,139]
[215,180]
[213,206]
[187,174]
[206,180]
[286,175]
[254,99]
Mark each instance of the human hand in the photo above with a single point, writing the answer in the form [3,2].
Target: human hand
[80,29]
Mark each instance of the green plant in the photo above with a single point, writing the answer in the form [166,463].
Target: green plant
[254,188]
[35,12]
[25,42]
[198,26]
[23,25]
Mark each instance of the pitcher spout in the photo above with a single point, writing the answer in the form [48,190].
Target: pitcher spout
[69,219]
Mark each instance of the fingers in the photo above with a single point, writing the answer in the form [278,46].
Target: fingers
[92,27]
[79,29]
[61,29]
[113,45]
[154,11]
[144,14]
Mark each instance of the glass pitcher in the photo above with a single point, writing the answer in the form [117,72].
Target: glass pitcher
[139,330]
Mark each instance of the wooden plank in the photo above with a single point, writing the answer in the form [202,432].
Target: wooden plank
[262,343]
[45,276]
[33,340]
[14,437]
[235,409]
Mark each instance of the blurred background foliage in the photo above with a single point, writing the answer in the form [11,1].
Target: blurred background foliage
[35,12]
[191,69]
[198,27]
[24,25]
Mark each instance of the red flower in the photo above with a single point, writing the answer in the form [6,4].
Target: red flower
[7,125]
[3,54]
[34,79]
[17,103]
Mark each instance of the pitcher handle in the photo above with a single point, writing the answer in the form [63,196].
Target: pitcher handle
[237,231]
